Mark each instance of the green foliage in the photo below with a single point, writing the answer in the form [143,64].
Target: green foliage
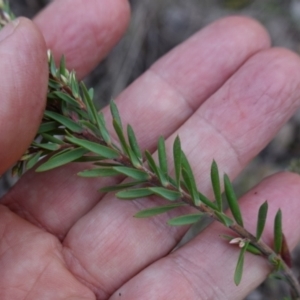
[215,179]
[156,169]
[232,201]
[115,113]
[165,193]
[61,159]
[94,147]
[122,186]
[133,173]
[224,219]
[240,265]
[133,143]
[69,124]
[33,160]
[261,220]
[134,193]
[189,179]
[150,212]
[177,153]
[99,172]
[73,131]
[278,232]
[47,126]
[121,137]
[162,156]
[185,219]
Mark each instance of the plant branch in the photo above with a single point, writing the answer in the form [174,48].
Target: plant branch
[72,130]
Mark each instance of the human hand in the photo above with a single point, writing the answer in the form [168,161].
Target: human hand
[224,91]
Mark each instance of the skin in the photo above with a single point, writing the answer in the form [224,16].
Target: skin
[225,91]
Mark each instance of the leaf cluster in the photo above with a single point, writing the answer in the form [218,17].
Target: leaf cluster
[72,130]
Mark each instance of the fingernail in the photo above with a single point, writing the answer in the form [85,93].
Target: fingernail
[8,29]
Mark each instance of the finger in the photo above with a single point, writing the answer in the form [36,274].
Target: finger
[32,265]
[176,85]
[266,104]
[204,268]
[158,95]
[23,85]
[83,31]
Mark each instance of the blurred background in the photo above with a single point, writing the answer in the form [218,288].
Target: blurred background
[159,25]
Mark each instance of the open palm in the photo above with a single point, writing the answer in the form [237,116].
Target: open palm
[224,91]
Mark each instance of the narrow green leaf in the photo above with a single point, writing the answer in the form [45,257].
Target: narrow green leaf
[253,250]
[240,265]
[62,66]
[189,179]
[215,180]
[94,147]
[99,172]
[134,193]
[151,162]
[171,180]
[122,186]
[60,152]
[278,232]
[207,202]
[47,126]
[89,103]
[52,139]
[102,128]
[155,169]
[162,156]
[224,219]
[121,137]
[63,120]
[74,84]
[91,93]
[133,142]
[33,160]
[63,96]
[106,164]
[52,65]
[61,159]
[261,220]
[64,108]
[52,84]
[50,147]
[89,125]
[146,213]
[133,158]
[115,113]
[232,201]
[185,220]
[133,173]
[177,153]
[90,158]
[165,193]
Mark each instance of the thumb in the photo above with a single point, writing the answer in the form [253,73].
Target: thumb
[23,86]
